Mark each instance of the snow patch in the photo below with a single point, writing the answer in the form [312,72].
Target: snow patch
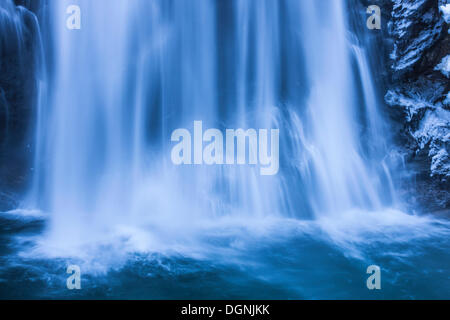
[434,131]
[409,18]
[447,99]
[416,96]
[444,66]
[411,105]
[445,10]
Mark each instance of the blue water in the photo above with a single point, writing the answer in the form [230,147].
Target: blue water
[284,259]
[106,197]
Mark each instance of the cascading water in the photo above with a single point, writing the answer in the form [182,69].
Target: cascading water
[134,72]
[342,178]
[138,70]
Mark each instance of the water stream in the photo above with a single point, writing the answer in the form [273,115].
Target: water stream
[114,203]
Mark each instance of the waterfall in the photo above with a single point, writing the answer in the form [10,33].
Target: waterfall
[137,70]
[342,175]
[20,78]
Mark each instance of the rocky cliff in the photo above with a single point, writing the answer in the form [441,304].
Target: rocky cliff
[418,95]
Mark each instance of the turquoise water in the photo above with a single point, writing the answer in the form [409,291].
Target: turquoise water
[283,259]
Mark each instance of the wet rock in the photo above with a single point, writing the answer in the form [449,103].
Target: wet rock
[419,95]
[415,26]
[434,133]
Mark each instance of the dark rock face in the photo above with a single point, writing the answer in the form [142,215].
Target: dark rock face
[416,26]
[18,87]
[419,97]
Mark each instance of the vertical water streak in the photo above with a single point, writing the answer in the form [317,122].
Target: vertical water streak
[138,70]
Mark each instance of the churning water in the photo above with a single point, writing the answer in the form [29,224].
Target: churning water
[111,201]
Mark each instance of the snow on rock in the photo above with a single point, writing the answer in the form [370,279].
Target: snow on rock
[419,98]
[444,66]
[445,10]
[434,132]
[415,27]
[447,99]
[414,97]
[422,104]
